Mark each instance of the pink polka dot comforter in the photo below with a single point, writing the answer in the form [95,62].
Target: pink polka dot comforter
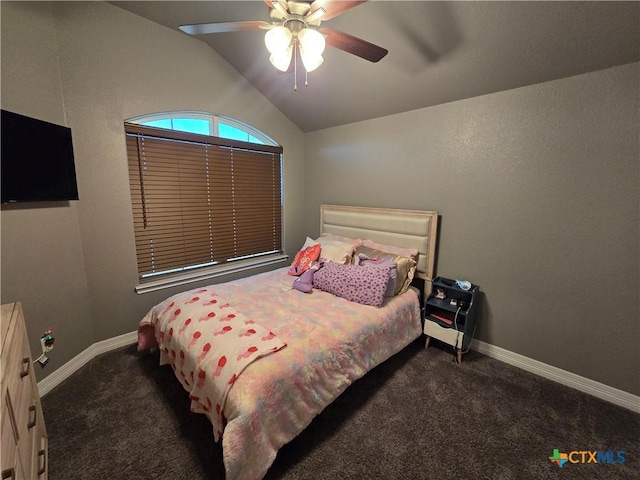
[261,360]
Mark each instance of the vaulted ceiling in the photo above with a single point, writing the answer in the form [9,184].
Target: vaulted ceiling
[438,51]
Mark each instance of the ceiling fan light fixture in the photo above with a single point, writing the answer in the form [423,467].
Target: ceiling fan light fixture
[278,40]
[312,45]
[311,62]
[294,28]
[282,60]
[311,41]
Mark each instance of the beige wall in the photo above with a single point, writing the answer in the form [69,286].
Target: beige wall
[537,189]
[41,261]
[100,65]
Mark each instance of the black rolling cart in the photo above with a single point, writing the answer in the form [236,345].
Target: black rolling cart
[450,313]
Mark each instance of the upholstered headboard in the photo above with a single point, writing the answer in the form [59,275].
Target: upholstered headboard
[403,228]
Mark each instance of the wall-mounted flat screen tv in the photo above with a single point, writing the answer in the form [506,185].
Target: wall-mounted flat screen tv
[37,160]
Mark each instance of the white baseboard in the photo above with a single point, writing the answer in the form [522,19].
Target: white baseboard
[69,368]
[591,387]
[599,390]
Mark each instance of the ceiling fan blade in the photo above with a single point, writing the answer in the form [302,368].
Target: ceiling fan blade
[333,8]
[205,28]
[283,4]
[353,45]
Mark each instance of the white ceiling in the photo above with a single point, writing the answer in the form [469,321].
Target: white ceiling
[438,51]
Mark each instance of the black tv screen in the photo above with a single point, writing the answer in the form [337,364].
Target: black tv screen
[37,160]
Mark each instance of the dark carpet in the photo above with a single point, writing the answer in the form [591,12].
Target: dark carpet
[416,416]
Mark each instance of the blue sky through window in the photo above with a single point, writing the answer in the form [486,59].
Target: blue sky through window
[204,126]
[193,125]
[233,133]
[166,123]
[190,125]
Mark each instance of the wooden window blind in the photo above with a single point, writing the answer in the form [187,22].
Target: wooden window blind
[200,200]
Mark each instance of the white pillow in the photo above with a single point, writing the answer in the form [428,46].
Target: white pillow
[335,250]
[308,243]
[355,242]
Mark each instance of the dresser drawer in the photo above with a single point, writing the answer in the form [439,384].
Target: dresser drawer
[12,466]
[9,436]
[40,454]
[37,443]
[20,387]
[23,433]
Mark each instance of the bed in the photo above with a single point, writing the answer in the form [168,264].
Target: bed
[261,359]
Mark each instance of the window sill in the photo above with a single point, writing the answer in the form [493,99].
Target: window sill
[212,272]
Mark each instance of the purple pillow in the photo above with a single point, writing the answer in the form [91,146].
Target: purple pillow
[363,260]
[365,284]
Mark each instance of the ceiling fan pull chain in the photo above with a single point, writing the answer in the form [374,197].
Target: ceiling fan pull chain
[295,67]
[306,78]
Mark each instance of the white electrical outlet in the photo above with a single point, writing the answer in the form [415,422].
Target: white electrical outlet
[45,348]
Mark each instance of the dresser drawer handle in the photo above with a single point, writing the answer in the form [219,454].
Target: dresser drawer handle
[25,367]
[32,422]
[9,473]
[42,454]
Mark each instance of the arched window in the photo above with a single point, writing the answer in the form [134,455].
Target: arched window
[207,196]
[205,124]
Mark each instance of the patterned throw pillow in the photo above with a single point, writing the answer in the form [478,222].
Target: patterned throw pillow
[362,260]
[365,285]
[303,259]
[406,266]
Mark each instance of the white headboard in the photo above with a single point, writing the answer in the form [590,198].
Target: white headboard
[403,228]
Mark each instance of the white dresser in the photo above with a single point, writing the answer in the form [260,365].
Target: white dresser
[24,436]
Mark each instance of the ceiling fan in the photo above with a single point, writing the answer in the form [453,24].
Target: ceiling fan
[295,27]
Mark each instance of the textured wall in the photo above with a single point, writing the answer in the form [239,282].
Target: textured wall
[115,65]
[537,187]
[538,192]
[42,263]
[104,65]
